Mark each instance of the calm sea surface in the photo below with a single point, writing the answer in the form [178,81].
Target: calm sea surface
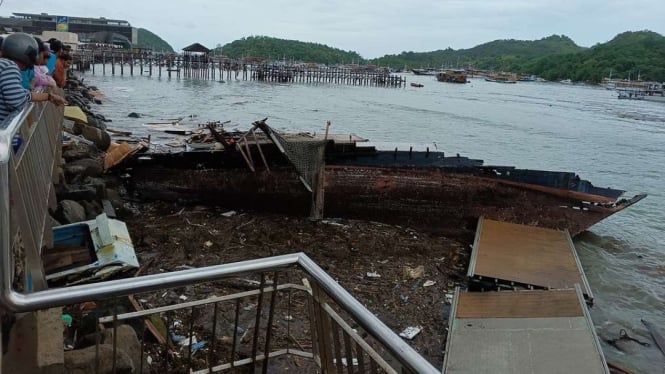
[611,142]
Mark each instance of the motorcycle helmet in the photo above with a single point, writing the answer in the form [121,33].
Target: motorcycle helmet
[20,47]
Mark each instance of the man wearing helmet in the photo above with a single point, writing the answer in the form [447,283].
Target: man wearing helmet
[19,52]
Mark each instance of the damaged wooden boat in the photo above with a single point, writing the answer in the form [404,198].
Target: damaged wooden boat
[441,193]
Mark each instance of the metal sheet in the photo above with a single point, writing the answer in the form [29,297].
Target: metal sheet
[526,255]
[503,344]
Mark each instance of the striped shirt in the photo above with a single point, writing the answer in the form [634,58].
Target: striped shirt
[13,96]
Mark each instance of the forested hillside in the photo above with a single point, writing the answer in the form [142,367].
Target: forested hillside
[147,39]
[273,48]
[627,55]
[555,57]
[506,55]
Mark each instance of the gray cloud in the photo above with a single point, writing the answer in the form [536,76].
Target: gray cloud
[371,28]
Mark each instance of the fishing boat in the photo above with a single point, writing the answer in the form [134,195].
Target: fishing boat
[639,90]
[422,189]
[452,76]
[418,85]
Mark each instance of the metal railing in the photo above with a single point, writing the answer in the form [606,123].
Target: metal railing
[296,319]
[29,148]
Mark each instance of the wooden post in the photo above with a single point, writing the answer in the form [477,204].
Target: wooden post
[103,63]
[112,63]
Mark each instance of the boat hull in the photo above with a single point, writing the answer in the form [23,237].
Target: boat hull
[429,199]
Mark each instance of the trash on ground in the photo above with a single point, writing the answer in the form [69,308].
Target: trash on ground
[429,283]
[373,275]
[410,332]
[414,273]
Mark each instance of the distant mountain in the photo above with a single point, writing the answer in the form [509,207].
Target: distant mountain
[507,55]
[147,39]
[628,55]
[275,49]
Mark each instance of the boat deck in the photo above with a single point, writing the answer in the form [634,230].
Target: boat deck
[507,255]
[532,331]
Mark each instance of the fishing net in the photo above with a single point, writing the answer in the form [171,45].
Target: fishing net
[308,157]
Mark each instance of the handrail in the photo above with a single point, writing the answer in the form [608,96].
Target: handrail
[18,302]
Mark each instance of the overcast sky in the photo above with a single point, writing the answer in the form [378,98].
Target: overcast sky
[371,28]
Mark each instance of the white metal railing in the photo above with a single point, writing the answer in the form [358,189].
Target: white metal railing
[29,148]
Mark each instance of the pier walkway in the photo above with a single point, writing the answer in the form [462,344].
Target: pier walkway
[532,317]
[506,255]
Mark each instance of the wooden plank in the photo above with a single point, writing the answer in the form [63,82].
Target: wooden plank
[519,304]
[526,254]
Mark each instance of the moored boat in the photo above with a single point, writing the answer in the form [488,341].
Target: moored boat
[452,76]
[418,85]
[502,78]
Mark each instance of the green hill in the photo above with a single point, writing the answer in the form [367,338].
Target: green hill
[273,48]
[627,55]
[508,55]
[147,39]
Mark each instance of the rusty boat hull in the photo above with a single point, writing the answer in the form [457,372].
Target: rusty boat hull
[446,200]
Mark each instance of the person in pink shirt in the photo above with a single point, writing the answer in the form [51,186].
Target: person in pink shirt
[42,80]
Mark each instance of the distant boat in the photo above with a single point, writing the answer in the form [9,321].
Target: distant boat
[425,71]
[452,76]
[566,81]
[649,91]
[417,85]
[502,78]
[527,78]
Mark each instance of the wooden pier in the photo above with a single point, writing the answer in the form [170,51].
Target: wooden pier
[220,68]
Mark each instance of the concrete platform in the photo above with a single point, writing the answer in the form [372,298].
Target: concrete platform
[529,331]
[508,255]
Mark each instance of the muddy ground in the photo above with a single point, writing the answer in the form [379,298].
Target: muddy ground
[170,237]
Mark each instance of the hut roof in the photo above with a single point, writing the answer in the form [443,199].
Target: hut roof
[196,47]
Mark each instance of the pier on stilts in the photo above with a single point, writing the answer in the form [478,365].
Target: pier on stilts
[203,66]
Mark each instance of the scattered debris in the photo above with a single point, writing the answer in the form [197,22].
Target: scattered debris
[414,273]
[230,213]
[429,283]
[410,332]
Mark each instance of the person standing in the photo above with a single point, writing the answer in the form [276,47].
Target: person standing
[19,52]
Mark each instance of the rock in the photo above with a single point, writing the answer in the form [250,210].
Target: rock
[97,101]
[78,151]
[98,136]
[92,208]
[98,184]
[82,361]
[76,192]
[134,115]
[54,222]
[127,339]
[69,211]
[86,167]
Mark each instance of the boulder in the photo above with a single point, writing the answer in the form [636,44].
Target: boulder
[82,361]
[98,136]
[86,167]
[69,211]
[134,115]
[92,208]
[128,340]
[79,150]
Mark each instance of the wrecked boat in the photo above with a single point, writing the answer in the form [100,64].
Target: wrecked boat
[299,174]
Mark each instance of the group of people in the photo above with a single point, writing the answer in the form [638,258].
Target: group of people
[29,70]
